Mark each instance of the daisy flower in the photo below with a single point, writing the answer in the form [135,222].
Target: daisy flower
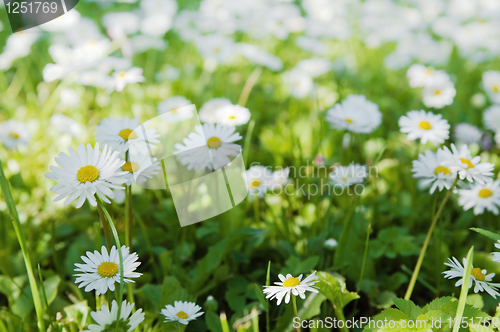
[101,271]
[480,277]
[298,82]
[356,114]
[430,170]
[108,320]
[440,92]
[428,127]
[121,79]
[291,284]
[496,255]
[344,176]
[14,134]
[420,75]
[174,109]
[233,115]
[140,168]
[491,83]
[258,179]
[467,133]
[86,174]
[182,312]
[480,197]
[279,178]
[123,135]
[467,167]
[210,110]
[209,147]
[491,117]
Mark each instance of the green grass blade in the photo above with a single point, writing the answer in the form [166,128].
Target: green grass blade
[9,200]
[465,289]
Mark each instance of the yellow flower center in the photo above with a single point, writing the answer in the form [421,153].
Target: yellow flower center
[13,135]
[429,71]
[437,92]
[478,274]
[485,193]
[174,111]
[232,117]
[122,74]
[425,125]
[87,173]
[255,183]
[348,120]
[495,88]
[291,282]
[107,269]
[130,167]
[214,142]
[467,161]
[442,169]
[182,315]
[127,134]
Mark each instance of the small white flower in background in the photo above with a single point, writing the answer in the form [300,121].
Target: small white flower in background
[66,125]
[172,105]
[330,243]
[122,78]
[217,47]
[467,167]
[440,92]
[87,173]
[496,255]
[142,167]
[314,67]
[467,133]
[108,320]
[478,100]
[209,111]
[420,75]
[491,84]
[14,134]
[279,178]
[233,115]
[258,180]
[356,114]
[430,170]
[101,271]
[481,197]
[182,312]
[291,284]
[69,97]
[209,147]
[345,176]
[478,276]
[299,83]
[428,127]
[122,136]
[491,118]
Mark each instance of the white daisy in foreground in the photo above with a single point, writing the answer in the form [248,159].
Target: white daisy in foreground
[491,84]
[209,147]
[496,255]
[86,174]
[174,109]
[467,167]
[122,78]
[480,277]
[182,312]
[481,197]
[467,133]
[258,180]
[356,114]
[430,170]
[108,321]
[291,284]
[101,271]
[14,133]
[491,117]
[428,127]
[123,135]
[439,93]
[210,110]
[140,168]
[344,176]
[233,115]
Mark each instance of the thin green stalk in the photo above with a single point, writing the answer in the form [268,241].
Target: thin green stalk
[128,216]
[223,322]
[3,328]
[340,253]
[295,312]
[367,242]
[256,208]
[249,84]
[119,248]
[45,295]
[426,243]
[340,317]
[464,290]
[268,283]
[105,227]
[7,195]
[248,139]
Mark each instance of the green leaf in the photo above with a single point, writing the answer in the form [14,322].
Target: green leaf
[437,303]
[479,328]
[489,234]
[465,287]
[475,300]
[213,322]
[260,297]
[334,289]
[171,291]
[408,307]
[312,306]
[51,284]
[78,312]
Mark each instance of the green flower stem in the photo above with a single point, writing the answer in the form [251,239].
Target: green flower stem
[340,316]
[426,243]
[249,84]
[295,312]
[105,227]
[7,195]
[464,290]
[102,208]
[367,242]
